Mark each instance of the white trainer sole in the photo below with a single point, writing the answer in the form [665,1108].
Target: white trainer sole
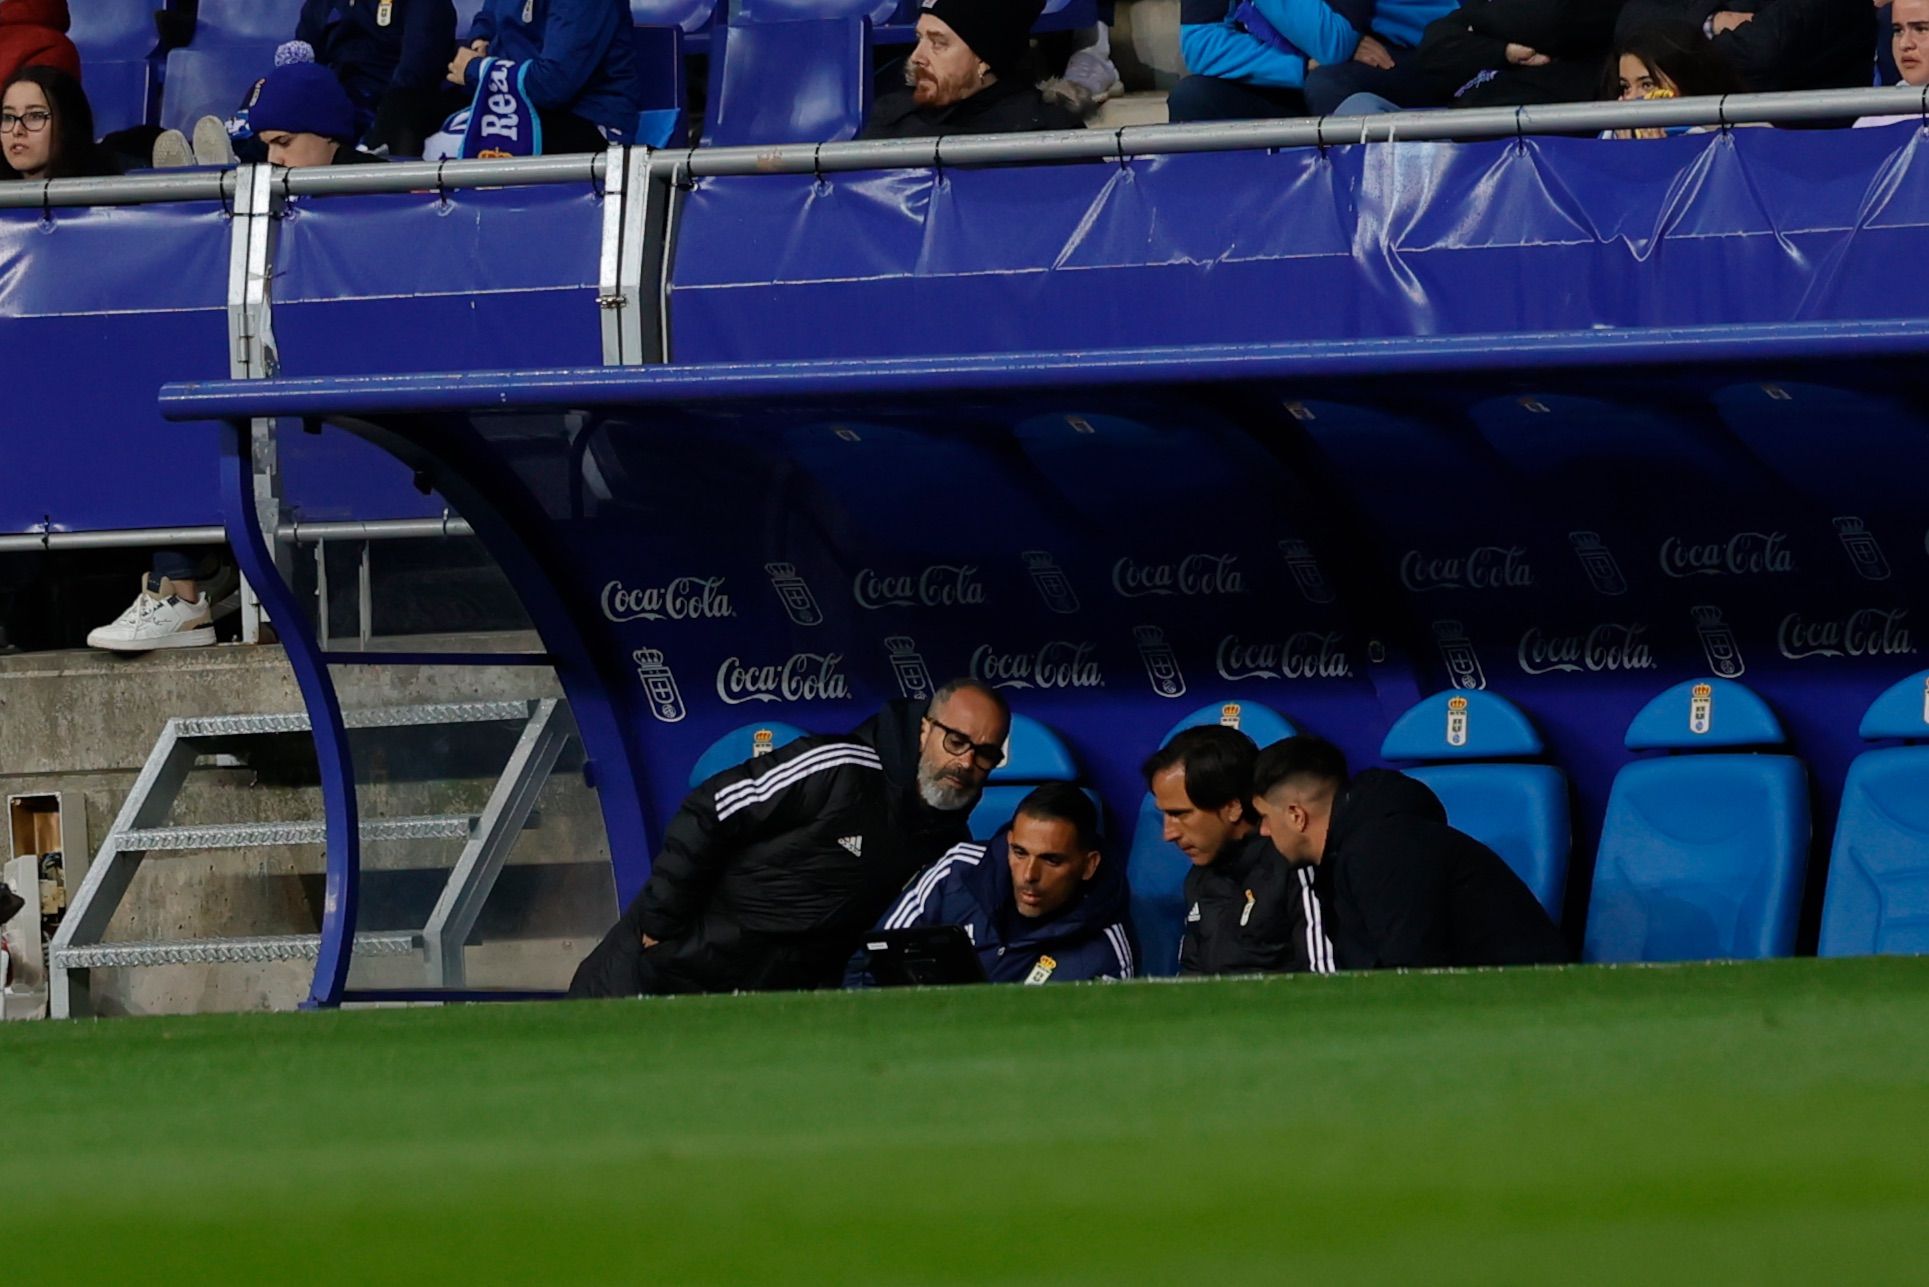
[199,637]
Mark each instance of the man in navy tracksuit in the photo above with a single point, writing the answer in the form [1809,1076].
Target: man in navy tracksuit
[1036,900]
[582,73]
[390,55]
[1253,59]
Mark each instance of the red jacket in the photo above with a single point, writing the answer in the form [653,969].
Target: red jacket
[33,33]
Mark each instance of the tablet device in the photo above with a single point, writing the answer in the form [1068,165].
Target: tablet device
[923,956]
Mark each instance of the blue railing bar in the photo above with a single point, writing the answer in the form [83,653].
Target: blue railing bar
[582,387]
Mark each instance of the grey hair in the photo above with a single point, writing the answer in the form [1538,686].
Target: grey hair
[951,688]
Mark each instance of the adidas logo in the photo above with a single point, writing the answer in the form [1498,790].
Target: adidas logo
[1192,917]
[853,843]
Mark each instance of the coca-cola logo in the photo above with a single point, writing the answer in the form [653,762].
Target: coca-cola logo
[1058,664]
[1194,575]
[941,585]
[803,677]
[1743,554]
[1309,654]
[1871,632]
[1610,646]
[1485,567]
[688,598]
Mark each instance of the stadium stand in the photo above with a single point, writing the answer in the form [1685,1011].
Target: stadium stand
[1877,899]
[1033,755]
[1702,853]
[740,745]
[234,44]
[794,81]
[117,41]
[1461,742]
[1157,871]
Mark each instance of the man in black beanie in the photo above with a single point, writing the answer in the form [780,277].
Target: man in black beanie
[968,75]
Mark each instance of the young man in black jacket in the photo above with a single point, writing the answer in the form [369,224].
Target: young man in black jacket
[967,75]
[1401,888]
[771,871]
[1246,910]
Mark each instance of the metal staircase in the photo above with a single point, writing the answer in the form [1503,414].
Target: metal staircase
[139,832]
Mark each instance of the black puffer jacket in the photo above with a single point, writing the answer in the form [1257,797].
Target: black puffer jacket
[1403,889]
[1249,912]
[1005,107]
[771,871]
[1465,51]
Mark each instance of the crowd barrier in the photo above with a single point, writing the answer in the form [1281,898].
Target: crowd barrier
[1692,453]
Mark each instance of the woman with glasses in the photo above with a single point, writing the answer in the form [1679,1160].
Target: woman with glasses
[47,129]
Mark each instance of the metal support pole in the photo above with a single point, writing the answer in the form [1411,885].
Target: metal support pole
[251,350]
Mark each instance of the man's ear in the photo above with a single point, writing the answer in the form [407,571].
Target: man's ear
[1091,865]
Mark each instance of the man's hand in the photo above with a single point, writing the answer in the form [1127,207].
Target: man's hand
[1374,54]
[1728,20]
[458,69]
[1522,56]
[649,942]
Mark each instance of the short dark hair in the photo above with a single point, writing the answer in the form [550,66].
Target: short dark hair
[1218,762]
[952,687]
[1063,802]
[1307,757]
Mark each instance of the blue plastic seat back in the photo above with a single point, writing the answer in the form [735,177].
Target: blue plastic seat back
[224,20]
[879,12]
[1702,855]
[1155,868]
[1034,754]
[115,38]
[1520,811]
[1877,900]
[211,80]
[691,16]
[788,82]
[741,745]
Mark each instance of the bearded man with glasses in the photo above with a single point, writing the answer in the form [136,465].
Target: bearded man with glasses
[772,871]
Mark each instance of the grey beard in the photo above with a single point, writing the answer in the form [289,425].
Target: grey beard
[942,795]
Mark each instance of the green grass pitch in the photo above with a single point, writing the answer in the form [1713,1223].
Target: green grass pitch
[1722,1124]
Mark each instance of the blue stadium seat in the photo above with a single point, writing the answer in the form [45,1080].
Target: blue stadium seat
[1518,810]
[741,745]
[691,16]
[1702,853]
[1156,870]
[879,12]
[1877,901]
[1033,755]
[115,38]
[209,80]
[789,82]
[465,15]
[226,20]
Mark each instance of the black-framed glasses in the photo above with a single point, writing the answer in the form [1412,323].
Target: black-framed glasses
[989,755]
[34,120]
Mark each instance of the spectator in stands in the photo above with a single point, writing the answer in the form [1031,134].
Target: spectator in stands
[391,56]
[304,117]
[1669,60]
[578,67]
[1775,45]
[1246,911]
[967,75]
[1909,43]
[1032,898]
[1398,886]
[1510,53]
[33,33]
[771,871]
[47,129]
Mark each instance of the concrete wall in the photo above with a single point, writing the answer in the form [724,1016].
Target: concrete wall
[83,723]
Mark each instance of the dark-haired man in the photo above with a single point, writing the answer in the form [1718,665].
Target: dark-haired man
[771,871]
[1401,888]
[1246,911]
[1036,899]
[967,75]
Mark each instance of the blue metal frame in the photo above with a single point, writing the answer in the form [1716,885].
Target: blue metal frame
[1698,346]
[343,844]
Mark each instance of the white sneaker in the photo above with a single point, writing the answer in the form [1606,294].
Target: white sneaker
[171,151]
[211,143]
[156,621]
